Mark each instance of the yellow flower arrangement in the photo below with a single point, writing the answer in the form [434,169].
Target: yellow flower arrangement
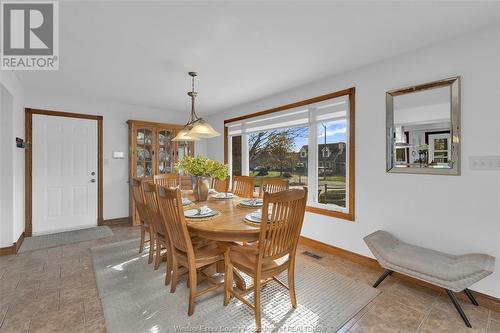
[202,166]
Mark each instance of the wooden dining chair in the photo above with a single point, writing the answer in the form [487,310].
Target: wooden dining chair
[220,185]
[140,204]
[273,253]
[243,186]
[273,185]
[159,228]
[186,182]
[195,259]
[167,179]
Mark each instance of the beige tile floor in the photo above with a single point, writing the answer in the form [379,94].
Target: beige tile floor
[54,290]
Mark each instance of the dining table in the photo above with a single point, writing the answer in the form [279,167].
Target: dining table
[228,226]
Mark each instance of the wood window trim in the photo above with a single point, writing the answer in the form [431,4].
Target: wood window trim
[28,163]
[350,92]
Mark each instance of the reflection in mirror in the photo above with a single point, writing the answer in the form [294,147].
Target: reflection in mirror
[422,127]
[422,123]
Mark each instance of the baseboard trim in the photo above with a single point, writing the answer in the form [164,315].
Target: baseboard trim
[118,221]
[20,240]
[4,251]
[487,301]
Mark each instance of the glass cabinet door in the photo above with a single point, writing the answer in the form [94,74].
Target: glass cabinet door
[165,151]
[144,152]
[184,148]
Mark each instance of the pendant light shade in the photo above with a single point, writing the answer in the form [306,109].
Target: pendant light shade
[202,129]
[400,140]
[183,135]
[196,127]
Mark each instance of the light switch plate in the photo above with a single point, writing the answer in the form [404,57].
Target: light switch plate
[484,162]
[118,154]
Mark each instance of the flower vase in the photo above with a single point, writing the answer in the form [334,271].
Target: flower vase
[201,185]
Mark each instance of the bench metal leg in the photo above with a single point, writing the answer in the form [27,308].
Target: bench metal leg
[458,307]
[382,277]
[471,297]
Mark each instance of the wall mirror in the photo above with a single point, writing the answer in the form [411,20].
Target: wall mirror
[423,128]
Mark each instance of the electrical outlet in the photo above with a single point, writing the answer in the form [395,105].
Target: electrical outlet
[484,162]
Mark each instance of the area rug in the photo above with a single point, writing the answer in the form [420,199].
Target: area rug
[63,238]
[135,299]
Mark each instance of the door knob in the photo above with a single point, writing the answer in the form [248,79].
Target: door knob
[92,180]
[92,173]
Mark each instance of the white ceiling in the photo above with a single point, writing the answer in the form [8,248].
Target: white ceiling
[139,52]
[418,99]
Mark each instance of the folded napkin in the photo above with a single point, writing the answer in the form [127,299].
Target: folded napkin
[252,202]
[257,214]
[224,195]
[204,210]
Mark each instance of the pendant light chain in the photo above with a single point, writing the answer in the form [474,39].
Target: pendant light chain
[196,127]
[193,94]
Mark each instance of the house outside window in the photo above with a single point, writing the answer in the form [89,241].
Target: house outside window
[326,152]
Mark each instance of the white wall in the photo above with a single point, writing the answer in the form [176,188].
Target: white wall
[12,172]
[115,138]
[453,214]
[6,167]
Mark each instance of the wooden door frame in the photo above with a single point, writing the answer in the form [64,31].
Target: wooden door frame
[28,163]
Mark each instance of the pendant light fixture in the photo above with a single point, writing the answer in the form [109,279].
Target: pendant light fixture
[400,138]
[196,127]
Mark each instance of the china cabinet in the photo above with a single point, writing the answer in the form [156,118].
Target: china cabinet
[152,152]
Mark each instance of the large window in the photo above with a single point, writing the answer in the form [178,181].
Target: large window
[310,143]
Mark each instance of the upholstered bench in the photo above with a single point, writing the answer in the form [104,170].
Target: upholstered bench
[451,272]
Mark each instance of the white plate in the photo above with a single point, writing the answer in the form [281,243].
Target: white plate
[140,170]
[193,213]
[186,201]
[254,217]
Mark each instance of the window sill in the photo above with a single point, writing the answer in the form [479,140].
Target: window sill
[331,213]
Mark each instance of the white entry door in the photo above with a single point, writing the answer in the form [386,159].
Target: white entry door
[64,174]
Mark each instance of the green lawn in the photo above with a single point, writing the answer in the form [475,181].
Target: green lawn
[301,179]
[276,174]
[336,186]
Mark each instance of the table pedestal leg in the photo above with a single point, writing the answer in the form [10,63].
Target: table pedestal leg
[238,279]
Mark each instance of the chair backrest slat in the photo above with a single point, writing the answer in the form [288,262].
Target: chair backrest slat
[153,210]
[186,182]
[273,185]
[170,204]
[243,186]
[167,179]
[280,235]
[138,197]
[220,185]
